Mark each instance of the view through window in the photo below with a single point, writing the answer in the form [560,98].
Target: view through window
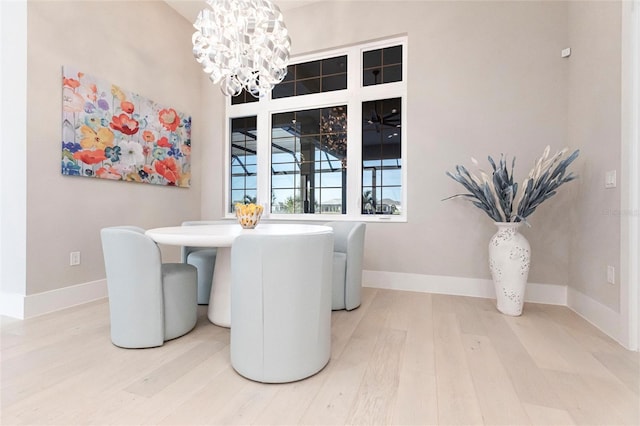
[329,140]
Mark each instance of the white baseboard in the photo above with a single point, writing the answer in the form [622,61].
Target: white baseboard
[12,305]
[602,317]
[65,297]
[459,286]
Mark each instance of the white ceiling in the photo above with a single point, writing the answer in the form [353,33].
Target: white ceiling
[190,8]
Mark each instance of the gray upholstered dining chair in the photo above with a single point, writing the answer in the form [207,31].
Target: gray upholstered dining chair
[281,305]
[204,259]
[149,302]
[348,253]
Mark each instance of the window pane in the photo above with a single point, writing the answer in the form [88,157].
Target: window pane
[392,73]
[282,181]
[334,82]
[242,197]
[252,182]
[381,155]
[372,58]
[237,182]
[392,55]
[308,70]
[291,73]
[334,65]
[331,179]
[392,177]
[318,151]
[283,119]
[391,197]
[286,201]
[371,77]
[308,121]
[243,98]
[243,160]
[305,87]
[330,200]
[282,90]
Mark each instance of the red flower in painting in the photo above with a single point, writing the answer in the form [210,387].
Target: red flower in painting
[108,172]
[70,82]
[168,169]
[94,92]
[124,124]
[148,136]
[164,142]
[127,107]
[90,157]
[169,119]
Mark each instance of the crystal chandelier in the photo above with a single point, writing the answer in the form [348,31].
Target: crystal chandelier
[242,44]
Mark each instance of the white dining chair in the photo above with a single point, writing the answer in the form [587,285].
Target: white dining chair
[348,254]
[150,302]
[281,305]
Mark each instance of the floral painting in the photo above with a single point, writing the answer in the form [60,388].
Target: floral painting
[111,133]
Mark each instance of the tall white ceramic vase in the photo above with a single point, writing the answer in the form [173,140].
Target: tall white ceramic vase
[509,260]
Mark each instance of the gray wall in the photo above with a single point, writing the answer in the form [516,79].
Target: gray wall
[594,122]
[141,46]
[483,78]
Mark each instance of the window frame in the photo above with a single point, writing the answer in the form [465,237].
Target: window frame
[353,97]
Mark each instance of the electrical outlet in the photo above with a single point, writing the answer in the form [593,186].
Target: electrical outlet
[611,274]
[74,258]
[610,179]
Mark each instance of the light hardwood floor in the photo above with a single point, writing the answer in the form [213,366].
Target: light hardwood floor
[401,358]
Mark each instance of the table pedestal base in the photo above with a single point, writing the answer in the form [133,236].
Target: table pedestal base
[219,311]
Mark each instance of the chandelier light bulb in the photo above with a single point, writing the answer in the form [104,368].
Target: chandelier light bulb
[242,44]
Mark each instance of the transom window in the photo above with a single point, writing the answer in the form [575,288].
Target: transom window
[329,142]
[323,75]
[381,66]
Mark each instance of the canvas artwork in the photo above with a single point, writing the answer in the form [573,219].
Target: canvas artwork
[111,133]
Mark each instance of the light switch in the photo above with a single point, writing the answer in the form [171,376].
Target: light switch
[610,179]
[611,274]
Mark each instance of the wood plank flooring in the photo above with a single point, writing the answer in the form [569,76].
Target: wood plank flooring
[402,358]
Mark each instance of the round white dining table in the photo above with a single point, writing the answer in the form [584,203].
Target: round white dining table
[221,236]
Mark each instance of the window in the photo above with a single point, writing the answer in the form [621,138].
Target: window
[381,66]
[325,75]
[381,157]
[244,161]
[308,161]
[328,143]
